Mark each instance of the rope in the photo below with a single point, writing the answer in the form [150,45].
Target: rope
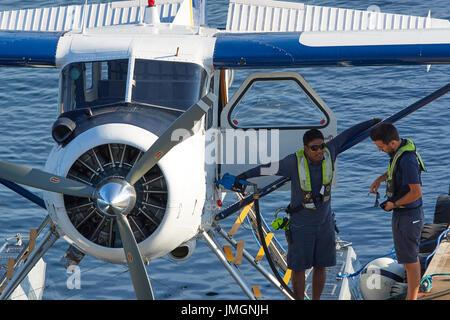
[437,246]
[425,283]
[351,275]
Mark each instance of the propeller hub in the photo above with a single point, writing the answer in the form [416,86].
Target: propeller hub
[115,196]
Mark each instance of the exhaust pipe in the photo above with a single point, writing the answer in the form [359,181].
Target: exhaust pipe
[183,252]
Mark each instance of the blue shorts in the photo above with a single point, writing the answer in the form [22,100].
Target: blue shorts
[406,230]
[311,246]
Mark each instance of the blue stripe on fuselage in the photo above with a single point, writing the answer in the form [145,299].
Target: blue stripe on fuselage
[27,48]
[283,49]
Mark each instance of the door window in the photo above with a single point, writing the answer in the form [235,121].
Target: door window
[271,103]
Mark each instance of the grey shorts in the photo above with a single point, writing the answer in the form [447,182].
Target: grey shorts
[311,246]
[406,230]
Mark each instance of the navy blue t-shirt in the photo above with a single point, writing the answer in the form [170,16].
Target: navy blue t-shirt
[408,171]
[288,167]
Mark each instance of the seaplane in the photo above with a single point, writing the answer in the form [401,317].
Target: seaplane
[146,129]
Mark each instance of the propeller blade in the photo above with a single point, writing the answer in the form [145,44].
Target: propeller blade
[138,273]
[43,180]
[166,141]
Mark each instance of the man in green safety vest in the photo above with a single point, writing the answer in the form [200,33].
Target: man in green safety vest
[311,232]
[404,193]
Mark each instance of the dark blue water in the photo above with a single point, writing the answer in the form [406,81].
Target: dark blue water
[28,99]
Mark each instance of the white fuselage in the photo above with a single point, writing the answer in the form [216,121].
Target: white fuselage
[183,167]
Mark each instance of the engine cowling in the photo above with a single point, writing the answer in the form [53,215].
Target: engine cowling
[169,198]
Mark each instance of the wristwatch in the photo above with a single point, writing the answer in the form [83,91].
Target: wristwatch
[395,205]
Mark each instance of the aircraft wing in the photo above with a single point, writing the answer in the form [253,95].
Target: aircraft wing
[29,37]
[313,49]
[28,48]
[259,34]
[264,34]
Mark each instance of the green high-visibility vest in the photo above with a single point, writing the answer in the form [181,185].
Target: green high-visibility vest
[305,178]
[408,147]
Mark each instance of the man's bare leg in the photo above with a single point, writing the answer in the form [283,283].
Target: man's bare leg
[298,283]
[413,279]
[318,282]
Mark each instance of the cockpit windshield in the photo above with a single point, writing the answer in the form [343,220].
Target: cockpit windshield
[174,85]
[169,84]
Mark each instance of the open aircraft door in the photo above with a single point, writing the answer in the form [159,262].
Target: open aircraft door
[265,120]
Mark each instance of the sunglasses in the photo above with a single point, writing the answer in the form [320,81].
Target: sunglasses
[316,147]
